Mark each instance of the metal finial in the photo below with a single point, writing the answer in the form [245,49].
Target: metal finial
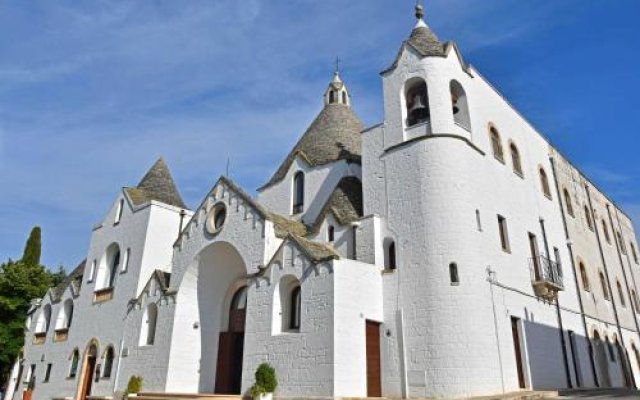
[419,10]
[338,64]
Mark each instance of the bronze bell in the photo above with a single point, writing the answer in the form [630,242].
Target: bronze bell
[418,112]
[454,100]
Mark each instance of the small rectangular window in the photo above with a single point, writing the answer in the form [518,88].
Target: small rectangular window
[92,271]
[504,234]
[478,221]
[47,373]
[453,274]
[125,262]
[119,212]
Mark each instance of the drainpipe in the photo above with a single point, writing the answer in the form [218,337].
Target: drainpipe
[606,271]
[626,284]
[182,215]
[575,276]
[565,358]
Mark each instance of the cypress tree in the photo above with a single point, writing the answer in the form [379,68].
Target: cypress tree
[33,248]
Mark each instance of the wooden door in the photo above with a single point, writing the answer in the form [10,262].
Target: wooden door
[372,333]
[229,365]
[87,378]
[518,351]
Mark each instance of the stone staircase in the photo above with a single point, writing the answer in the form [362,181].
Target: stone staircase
[184,396]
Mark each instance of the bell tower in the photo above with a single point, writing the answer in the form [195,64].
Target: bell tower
[337,92]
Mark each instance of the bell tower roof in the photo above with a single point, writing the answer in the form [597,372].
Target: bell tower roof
[422,38]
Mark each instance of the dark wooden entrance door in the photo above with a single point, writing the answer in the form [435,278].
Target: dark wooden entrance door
[374,385]
[231,347]
[518,351]
[87,378]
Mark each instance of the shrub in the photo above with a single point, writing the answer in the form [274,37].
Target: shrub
[135,384]
[266,378]
[257,390]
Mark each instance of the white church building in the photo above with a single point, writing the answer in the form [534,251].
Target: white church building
[448,251]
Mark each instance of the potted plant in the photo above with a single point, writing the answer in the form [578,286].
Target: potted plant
[134,386]
[266,383]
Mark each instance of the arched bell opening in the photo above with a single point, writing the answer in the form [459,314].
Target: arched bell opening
[416,98]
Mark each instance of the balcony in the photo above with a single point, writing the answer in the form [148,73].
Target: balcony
[102,295]
[61,335]
[39,338]
[546,277]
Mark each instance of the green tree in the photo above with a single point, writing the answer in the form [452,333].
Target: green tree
[20,282]
[33,248]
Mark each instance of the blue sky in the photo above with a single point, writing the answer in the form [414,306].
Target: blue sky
[92,93]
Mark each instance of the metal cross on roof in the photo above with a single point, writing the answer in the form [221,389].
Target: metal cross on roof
[338,64]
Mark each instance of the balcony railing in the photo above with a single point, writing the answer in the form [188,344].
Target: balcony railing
[60,335]
[546,277]
[39,337]
[102,295]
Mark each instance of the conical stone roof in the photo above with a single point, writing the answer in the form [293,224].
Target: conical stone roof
[425,42]
[158,185]
[334,135]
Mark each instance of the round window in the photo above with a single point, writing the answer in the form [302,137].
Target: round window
[216,218]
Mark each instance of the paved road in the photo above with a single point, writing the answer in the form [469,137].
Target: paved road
[601,395]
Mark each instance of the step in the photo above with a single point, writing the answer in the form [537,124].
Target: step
[186,396]
[519,395]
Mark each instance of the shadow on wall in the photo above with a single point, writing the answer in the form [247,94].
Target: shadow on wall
[543,365]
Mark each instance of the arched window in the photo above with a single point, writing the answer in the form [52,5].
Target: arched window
[515,159]
[637,354]
[295,307]
[544,182]
[148,328]
[603,284]
[44,318]
[623,248]
[568,202]
[612,354]
[119,212]
[585,278]
[73,367]
[417,102]
[332,97]
[460,105]
[65,315]
[331,233]
[298,192]
[633,252]
[344,97]
[115,264]
[621,294]
[108,268]
[634,301]
[496,144]
[108,362]
[453,274]
[390,255]
[587,216]
[605,229]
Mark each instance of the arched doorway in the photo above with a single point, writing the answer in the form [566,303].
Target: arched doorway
[231,346]
[219,274]
[602,362]
[88,369]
